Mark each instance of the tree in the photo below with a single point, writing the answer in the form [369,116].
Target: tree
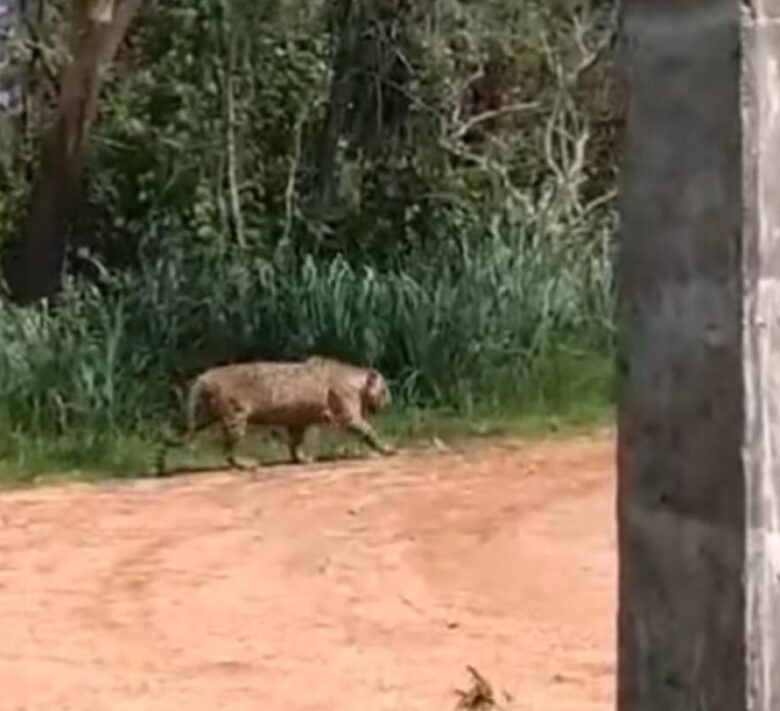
[97,28]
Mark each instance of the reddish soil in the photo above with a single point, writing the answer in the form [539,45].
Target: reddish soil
[362,586]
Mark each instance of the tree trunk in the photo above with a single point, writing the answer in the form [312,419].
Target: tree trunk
[326,165]
[35,268]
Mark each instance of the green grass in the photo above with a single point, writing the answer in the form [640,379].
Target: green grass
[36,459]
[578,401]
[514,335]
[50,461]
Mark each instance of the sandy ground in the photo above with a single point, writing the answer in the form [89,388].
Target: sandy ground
[362,586]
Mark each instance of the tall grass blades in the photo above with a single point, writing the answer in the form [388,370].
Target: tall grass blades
[507,323]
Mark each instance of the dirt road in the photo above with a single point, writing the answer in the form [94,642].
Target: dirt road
[364,586]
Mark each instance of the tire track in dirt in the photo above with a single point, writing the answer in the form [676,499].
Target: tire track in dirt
[359,585]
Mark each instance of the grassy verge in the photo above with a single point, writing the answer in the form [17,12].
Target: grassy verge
[501,336]
[48,461]
[576,403]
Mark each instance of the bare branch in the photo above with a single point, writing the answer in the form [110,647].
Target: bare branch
[461,130]
[289,193]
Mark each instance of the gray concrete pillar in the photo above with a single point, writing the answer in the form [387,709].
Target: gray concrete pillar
[699,420]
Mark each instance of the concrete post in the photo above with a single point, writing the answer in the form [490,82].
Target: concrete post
[699,422]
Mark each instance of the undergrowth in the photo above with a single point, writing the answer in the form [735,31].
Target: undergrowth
[515,329]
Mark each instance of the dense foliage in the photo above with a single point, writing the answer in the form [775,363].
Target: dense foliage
[425,186]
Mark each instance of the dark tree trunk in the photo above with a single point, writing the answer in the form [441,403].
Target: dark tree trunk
[34,270]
